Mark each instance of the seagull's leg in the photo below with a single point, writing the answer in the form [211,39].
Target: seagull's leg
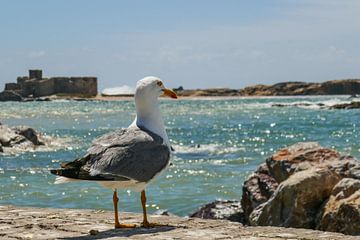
[117,224]
[145,222]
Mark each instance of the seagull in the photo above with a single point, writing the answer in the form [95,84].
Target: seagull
[127,158]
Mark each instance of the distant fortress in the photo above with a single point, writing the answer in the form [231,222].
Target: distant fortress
[35,85]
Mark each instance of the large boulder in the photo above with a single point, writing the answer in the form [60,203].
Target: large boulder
[221,209]
[301,186]
[299,156]
[341,212]
[257,189]
[297,200]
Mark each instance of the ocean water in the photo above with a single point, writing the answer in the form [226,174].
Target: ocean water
[218,143]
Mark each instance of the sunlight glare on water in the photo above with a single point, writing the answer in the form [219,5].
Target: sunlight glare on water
[218,144]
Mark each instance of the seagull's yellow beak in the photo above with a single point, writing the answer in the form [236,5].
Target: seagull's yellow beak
[169,93]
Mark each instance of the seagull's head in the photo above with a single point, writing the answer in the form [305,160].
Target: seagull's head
[150,88]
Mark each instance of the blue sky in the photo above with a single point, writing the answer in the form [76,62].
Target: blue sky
[196,44]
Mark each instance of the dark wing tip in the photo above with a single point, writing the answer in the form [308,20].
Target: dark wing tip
[55,171]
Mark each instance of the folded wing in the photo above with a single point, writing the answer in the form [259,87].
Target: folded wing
[127,154]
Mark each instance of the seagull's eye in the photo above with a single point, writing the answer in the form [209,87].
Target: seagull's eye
[159,83]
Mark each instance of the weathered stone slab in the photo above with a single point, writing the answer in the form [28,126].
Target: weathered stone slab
[39,223]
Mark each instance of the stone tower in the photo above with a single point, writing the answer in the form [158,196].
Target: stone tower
[35,74]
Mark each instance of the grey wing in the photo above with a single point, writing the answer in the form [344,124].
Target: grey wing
[131,153]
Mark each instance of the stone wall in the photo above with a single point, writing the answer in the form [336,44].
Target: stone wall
[86,86]
[12,86]
[44,87]
[83,86]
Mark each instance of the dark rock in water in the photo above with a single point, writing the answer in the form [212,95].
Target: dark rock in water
[29,133]
[341,212]
[8,138]
[20,137]
[352,105]
[221,209]
[10,95]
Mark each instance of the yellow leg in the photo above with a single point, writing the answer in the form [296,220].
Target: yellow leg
[145,222]
[117,223]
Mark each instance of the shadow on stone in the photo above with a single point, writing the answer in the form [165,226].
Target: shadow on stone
[123,232]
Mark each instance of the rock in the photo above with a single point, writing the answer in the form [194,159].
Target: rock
[20,138]
[346,167]
[337,87]
[47,223]
[295,188]
[221,209]
[301,155]
[210,92]
[163,212]
[257,189]
[10,95]
[352,105]
[29,133]
[341,212]
[295,203]
[8,138]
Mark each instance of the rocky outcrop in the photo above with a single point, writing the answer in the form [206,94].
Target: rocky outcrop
[257,189]
[210,92]
[299,156]
[221,209]
[351,105]
[334,87]
[310,192]
[21,137]
[341,212]
[295,203]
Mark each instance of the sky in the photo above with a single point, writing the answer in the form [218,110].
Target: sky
[189,43]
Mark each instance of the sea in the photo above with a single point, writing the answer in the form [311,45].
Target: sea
[218,143]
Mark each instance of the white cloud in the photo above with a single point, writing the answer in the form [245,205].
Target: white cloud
[37,54]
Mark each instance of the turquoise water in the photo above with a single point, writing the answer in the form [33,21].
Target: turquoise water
[218,143]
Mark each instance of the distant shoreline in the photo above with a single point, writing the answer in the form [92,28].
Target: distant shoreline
[350,87]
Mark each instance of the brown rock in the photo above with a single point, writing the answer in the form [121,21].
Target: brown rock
[341,212]
[349,86]
[301,155]
[297,200]
[221,209]
[257,189]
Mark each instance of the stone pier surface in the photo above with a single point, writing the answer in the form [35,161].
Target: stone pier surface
[46,223]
